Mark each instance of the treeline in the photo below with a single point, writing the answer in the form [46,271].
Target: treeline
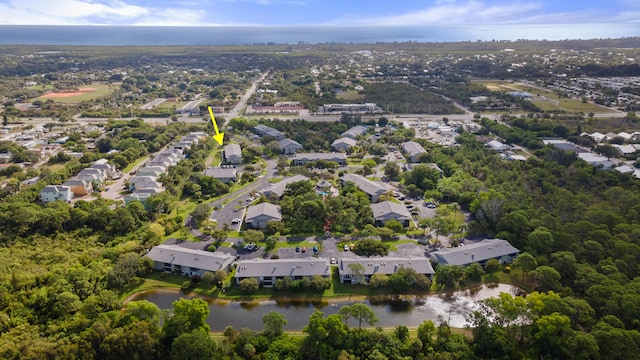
[506,327]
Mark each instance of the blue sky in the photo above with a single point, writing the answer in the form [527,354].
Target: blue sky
[317,12]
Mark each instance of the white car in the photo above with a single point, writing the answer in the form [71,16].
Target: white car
[333,261]
[345,247]
[236,221]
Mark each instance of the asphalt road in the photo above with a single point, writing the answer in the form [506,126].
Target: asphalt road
[226,206]
[243,101]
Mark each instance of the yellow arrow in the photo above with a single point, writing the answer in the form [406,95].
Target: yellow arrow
[218,136]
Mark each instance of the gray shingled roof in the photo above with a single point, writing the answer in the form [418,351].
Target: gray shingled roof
[279,187]
[288,142]
[388,207]
[476,252]
[269,131]
[364,184]
[282,267]
[387,265]
[355,131]
[177,255]
[55,189]
[232,149]
[219,173]
[344,140]
[337,157]
[413,148]
[261,209]
[75,182]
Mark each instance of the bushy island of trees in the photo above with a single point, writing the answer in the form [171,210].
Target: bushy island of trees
[66,269]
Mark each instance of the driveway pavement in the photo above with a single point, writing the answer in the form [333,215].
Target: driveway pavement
[233,206]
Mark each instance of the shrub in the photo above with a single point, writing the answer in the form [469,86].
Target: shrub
[248,286]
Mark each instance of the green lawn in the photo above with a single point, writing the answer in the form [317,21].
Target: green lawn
[350,95]
[133,164]
[215,158]
[170,104]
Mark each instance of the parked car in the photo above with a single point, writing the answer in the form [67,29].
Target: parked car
[235,221]
[297,248]
[251,247]
[315,249]
[333,261]
[345,247]
[431,205]
[304,249]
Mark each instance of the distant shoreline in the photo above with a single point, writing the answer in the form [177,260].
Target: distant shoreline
[59,35]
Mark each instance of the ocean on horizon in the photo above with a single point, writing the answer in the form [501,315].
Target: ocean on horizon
[244,35]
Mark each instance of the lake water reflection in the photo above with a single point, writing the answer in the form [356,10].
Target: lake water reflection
[453,307]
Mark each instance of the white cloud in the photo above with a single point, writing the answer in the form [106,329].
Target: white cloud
[87,12]
[451,12]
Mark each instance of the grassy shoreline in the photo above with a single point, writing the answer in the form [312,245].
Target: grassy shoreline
[337,292]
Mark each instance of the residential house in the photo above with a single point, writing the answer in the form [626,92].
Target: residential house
[596,160]
[479,252]
[56,192]
[268,271]
[165,164]
[354,132]
[496,145]
[304,158]
[343,144]
[625,169]
[264,130]
[79,187]
[225,175]
[387,210]
[6,157]
[90,178]
[413,150]
[88,174]
[386,265]
[279,188]
[153,171]
[109,170]
[232,154]
[288,146]
[190,262]
[372,189]
[143,182]
[172,157]
[139,196]
[258,215]
[626,149]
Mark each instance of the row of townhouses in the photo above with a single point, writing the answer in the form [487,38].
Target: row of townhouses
[145,183]
[84,183]
[190,262]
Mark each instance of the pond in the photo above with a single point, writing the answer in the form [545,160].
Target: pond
[453,307]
